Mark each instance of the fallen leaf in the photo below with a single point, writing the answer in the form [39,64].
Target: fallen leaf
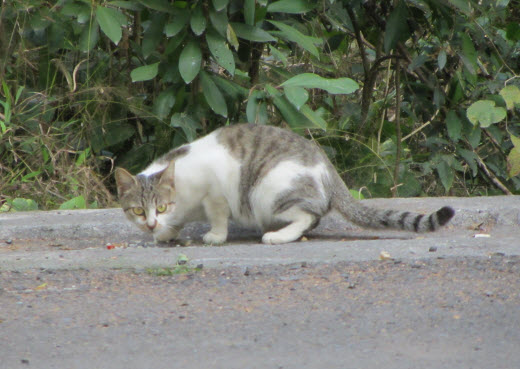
[383,255]
[41,287]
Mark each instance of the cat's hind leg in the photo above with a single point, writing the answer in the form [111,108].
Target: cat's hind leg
[299,221]
[218,212]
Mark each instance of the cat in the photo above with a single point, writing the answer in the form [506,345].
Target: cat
[257,175]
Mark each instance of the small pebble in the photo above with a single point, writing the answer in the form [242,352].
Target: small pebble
[432,249]
[9,241]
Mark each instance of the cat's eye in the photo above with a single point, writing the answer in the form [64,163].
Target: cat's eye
[161,208]
[138,211]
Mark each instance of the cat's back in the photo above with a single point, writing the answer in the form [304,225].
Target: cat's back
[250,143]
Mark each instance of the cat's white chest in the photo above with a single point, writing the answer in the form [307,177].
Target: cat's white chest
[208,170]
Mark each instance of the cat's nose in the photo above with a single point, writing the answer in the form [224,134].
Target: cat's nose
[151,226]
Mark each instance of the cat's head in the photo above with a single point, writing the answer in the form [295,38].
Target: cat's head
[148,199]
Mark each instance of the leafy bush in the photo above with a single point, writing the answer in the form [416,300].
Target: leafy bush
[87,85]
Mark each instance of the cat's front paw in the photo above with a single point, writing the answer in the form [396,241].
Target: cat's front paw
[211,238]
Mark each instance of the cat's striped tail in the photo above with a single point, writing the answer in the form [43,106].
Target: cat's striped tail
[369,217]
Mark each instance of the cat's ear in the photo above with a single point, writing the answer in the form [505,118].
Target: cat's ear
[168,175]
[124,180]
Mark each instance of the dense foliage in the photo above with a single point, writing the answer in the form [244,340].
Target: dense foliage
[408,97]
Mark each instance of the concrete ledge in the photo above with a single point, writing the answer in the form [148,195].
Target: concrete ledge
[111,224]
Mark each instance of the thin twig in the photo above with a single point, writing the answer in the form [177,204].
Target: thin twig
[492,176]
[421,127]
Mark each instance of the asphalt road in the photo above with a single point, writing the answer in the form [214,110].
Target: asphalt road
[445,300]
[438,313]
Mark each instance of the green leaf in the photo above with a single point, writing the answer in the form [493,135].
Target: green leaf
[462,5]
[179,21]
[27,177]
[213,95]
[145,73]
[252,107]
[175,42]
[445,174]
[485,112]
[316,119]
[198,21]
[219,49]
[418,61]
[298,96]
[513,31]
[232,37]
[396,27]
[511,95]
[188,125]
[160,5]
[232,89]
[75,203]
[474,136]
[153,35]
[332,86]
[111,21]
[293,117]
[82,157]
[249,12]
[278,55]
[163,104]
[20,204]
[89,37]
[219,20]
[293,35]
[250,33]
[454,126]
[291,6]
[441,59]
[110,134]
[190,61]
[130,5]
[471,159]
[74,9]
[256,111]
[182,259]
[220,4]
[356,194]
[513,159]
[468,54]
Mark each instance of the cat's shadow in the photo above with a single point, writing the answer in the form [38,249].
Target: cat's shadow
[333,229]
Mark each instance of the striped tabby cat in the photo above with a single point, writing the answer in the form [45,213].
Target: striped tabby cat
[257,175]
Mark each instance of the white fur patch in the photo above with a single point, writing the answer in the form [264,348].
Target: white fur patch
[208,170]
[153,169]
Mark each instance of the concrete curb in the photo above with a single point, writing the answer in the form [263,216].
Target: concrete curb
[88,231]
[111,223]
